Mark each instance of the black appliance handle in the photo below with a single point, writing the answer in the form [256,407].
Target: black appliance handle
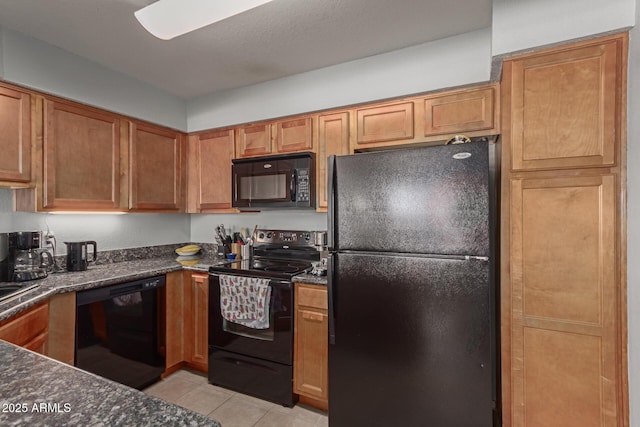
[331,200]
[126,290]
[95,250]
[294,184]
[331,294]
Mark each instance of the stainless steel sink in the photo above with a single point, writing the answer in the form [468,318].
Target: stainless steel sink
[13,290]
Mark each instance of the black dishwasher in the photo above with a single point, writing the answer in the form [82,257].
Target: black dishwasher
[119,332]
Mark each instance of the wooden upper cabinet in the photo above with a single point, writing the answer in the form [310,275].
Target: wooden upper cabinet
[156,167]
[385,123]
[253,140]
[333,139]
[294,135]
[81,153]
[564,106]
[15,136]
[465,111]
[209,164]
[564,302]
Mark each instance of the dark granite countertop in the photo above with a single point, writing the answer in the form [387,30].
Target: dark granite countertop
[39,391]
[310,278]
[97,276]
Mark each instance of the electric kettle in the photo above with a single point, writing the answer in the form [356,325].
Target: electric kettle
[77,259]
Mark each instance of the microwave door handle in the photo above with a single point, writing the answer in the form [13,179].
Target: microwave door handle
[294,185]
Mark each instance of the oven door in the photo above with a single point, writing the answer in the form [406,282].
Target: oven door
[274,344]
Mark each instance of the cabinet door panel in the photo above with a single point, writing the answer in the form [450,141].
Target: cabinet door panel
[459,112]
[563,297]
[564,108]
[210,156]
[15,136]
[156,166]
[253,140]
[81,158]
[294,135]
[333,139]
[311,341]
[199,320]
[387,123]
[28,329]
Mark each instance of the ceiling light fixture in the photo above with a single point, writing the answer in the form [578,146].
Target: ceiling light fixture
[167,19]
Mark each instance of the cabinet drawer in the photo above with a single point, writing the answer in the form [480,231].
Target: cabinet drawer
[313,296]
[26,327]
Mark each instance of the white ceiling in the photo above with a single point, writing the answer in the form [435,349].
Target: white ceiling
[278,39]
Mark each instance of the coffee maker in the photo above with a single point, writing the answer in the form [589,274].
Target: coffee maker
[22,258]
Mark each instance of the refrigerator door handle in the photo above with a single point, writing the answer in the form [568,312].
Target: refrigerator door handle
[331,293]
[331,201]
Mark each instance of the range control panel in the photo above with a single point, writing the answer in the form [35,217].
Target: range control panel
[293,238]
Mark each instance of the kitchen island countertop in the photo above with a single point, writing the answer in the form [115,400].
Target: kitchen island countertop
[37,390]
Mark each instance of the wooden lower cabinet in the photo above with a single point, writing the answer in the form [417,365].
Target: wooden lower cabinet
[172,304]
[564,325]
[197,321]
[29,329]
[185,305]
[62,328]
[311,345]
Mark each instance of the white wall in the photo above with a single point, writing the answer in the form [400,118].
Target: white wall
[109,231]
[523,24]
[633,213]
[32,63]
[203,225]
[1,54]
[453,61]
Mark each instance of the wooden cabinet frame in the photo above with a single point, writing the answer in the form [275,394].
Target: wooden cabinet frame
[15,105]
[145,171]
[553,179]
[209,167]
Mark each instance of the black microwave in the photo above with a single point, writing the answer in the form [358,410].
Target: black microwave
[283,181]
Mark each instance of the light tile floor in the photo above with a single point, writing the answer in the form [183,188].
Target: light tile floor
[192,391]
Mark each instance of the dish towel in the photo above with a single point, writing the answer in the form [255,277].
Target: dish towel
[245,300]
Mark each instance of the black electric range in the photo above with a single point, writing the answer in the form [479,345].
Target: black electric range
[259,361]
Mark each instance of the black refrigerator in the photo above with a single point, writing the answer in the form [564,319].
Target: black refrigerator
[412,288]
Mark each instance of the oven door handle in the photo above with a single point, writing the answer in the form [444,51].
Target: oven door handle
[280,283]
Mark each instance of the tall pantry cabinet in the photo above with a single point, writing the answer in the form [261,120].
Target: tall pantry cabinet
[563,247]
